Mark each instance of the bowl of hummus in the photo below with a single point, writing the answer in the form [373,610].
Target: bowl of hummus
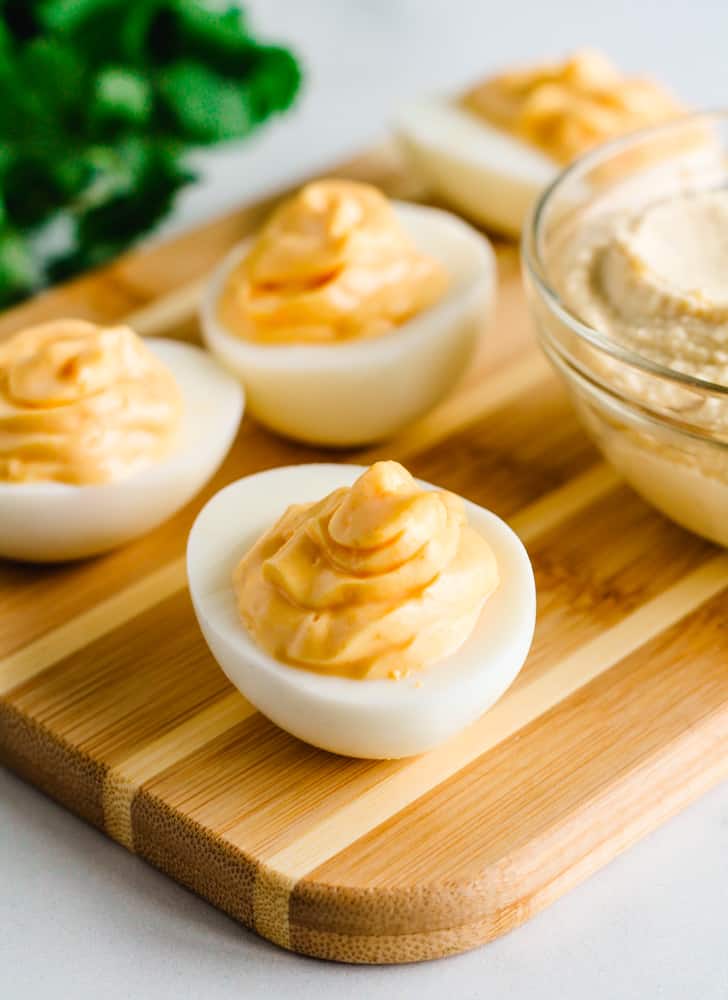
[626,267]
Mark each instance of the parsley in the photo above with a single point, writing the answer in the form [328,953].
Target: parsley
[100,101]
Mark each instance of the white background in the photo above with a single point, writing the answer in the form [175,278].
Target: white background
[79,917]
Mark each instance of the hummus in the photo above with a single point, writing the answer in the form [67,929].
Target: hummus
[83,404]
[376,580]
[655,280]
[332,264]
[566,108]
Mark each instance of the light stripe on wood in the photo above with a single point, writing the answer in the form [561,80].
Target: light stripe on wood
[37,656]
[461,410]
[523,703]
[539,850]
[524,814]
[562,503]
[271,901]
[168,312]
[123,780]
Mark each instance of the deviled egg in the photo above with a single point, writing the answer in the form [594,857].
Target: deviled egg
[361,610]
[103,435]
[349,316]
[491,151]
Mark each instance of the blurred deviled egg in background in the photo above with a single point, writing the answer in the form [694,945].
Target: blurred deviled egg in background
[361,610]
[103,435]
[490,151]
[348,315]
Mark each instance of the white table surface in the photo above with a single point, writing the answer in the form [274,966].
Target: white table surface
[83,919]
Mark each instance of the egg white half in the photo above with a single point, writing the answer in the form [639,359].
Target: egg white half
[358,718]
[50,522]
[365,390]
[485,173]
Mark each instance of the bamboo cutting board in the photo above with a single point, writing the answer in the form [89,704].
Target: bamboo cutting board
[111,703]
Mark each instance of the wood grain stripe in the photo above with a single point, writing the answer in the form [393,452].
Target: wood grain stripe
[467,407]
[507,827]
[560,504]
[122,782]
[520,706]
[167,312]
[37,656]
[611,822]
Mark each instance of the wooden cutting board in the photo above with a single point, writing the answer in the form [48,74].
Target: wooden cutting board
[111,703]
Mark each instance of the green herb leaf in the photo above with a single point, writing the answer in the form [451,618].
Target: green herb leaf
[205,106]
[19,271]
[121,97]
[147,180]
[99,102]
[68,16]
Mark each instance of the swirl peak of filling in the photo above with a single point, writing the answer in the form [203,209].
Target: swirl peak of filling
[375,580]
[83,404]
[332,263]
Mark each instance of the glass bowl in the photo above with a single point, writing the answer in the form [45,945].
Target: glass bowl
[665,431]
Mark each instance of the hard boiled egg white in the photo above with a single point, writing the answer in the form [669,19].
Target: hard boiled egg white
[48,522]
[492,177]
[365,390]
[359,718]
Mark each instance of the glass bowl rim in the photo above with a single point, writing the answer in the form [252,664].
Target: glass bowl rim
[532,258]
